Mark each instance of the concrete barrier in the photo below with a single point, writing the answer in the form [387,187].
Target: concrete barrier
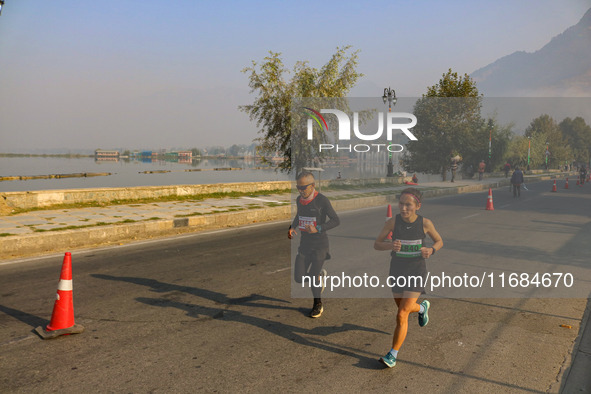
[45,242]
[48,198]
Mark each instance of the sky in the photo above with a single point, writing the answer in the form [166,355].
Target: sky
[150,74]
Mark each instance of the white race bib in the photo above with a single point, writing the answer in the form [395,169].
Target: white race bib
[306,221]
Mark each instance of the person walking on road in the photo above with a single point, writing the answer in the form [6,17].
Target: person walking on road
[408,252]
[516,181]
[582,175]
[481,168]
[454,166]
[313,209]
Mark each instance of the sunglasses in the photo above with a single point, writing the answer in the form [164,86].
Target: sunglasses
[304,187]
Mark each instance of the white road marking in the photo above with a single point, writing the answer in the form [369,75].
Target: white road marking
[279,270]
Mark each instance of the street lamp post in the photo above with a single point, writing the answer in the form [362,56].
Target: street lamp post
[390,97]
[547,154]
[528,150]
[490,147]
[1,5]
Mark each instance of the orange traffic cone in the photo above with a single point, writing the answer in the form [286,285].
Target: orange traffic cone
[554,187]
[389,216]
[62,318]
[489,201]
[566,184]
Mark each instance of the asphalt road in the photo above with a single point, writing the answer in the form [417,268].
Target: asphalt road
[215,311]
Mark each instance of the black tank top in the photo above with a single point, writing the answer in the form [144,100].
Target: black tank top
[412,236]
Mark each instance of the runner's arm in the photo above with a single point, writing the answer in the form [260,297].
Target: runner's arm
[380,242]
[429,229]
[333,218]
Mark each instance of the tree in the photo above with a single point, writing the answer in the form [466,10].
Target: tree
[544,132]
[448,124]
[517,151]
[578,135]
[272,108]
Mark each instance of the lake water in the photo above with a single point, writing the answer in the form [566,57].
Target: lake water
[130,173]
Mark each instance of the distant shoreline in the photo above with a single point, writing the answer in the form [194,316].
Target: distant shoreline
[79,156]
[66,155]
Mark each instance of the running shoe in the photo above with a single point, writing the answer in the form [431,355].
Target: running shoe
[424,317]
[317,310]
[388,360]
[323,275]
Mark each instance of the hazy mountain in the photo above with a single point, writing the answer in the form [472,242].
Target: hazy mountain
[562,68]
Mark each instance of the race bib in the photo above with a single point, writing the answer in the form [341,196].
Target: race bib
[410,248]
[305,221]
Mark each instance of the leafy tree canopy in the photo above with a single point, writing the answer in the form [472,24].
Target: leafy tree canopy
[449,124]
[275,92]
[578,135]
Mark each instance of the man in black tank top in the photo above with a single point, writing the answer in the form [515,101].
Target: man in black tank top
[313,209]
[408,269]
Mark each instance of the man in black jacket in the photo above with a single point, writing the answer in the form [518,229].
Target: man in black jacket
[313,209]
[516,181]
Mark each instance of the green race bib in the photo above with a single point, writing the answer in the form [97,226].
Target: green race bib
[410,248]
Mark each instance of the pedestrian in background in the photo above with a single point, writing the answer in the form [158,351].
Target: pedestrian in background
[454,166]
[516,181]
[481,168]
[506,169]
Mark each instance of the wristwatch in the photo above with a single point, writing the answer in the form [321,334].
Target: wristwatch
[433,250]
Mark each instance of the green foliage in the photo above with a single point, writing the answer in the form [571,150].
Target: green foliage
[449,123]
[544,132]
[272,107]
[578,135]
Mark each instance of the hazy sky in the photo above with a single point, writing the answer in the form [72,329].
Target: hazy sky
[161,74]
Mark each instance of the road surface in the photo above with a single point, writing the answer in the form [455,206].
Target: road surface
[214,311]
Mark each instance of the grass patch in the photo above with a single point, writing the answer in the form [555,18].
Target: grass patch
[274,204]
[5,234]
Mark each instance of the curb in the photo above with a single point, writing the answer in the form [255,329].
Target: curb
[574,375]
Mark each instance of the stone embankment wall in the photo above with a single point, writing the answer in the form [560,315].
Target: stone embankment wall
[48,198]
